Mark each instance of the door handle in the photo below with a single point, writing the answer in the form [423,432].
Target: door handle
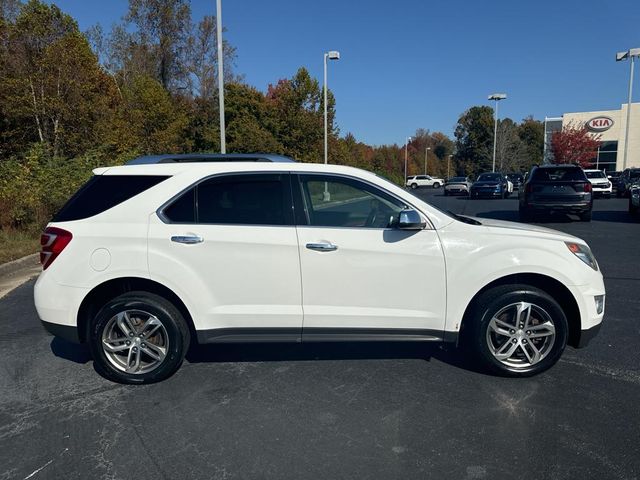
[187,239]
[322,246]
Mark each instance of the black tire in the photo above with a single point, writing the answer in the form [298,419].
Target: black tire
[633,210]
[414,186]
[172,320]
[487,304]
[586,216]
[436,185]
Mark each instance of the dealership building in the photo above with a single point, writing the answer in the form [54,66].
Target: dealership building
[610,126]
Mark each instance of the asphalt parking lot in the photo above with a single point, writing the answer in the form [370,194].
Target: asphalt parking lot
[332,411]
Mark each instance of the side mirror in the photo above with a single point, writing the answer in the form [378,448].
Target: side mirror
[410,220]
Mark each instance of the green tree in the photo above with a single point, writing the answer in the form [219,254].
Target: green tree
[531,132]
[474,139]
[53,89]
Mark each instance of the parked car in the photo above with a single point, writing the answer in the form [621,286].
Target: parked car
[424,181]
[613,178]
[600,183]
[493,184]
[556,188]
[145,259]
[627,178]
[457,186]
[516,179]
[634,198]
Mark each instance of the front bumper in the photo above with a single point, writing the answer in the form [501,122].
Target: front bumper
[457,190]
[587,335]
[486,193]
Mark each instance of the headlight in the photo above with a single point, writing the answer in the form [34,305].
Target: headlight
[583,253]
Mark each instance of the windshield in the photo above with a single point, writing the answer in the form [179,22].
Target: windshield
[490,177]
[595,174]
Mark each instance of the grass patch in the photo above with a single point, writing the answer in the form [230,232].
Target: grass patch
[15,244]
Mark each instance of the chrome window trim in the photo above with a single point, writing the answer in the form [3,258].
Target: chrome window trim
[160,210]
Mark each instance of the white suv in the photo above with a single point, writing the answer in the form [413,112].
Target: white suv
[424,181]
[145,259]
[599,182]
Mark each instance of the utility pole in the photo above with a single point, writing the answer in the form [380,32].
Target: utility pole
[223,145]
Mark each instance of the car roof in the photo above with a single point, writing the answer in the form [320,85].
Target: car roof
[560,165]
[209,157]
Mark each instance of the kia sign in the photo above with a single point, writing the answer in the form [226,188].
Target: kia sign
[600,124]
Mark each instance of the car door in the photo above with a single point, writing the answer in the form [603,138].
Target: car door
[361,277]
[229,245]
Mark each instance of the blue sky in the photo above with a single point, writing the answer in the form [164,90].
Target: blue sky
[410,64]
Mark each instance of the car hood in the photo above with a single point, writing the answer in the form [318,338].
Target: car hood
[526,227]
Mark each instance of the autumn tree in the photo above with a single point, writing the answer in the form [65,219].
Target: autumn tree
[574,144]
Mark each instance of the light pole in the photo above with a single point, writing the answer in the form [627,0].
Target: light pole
[630,54]
[406,146]
[223,144]
[426,153]
[449,166]
[332,55]
[496,97]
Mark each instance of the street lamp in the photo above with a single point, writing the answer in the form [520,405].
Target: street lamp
[406,146]
[426,152]
[223,144]
[630,54]
[332,55]
[496,97]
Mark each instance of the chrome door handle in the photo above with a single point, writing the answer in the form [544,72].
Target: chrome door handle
[322,246]
[187,239]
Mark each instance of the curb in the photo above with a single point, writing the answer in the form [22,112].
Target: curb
[14,266]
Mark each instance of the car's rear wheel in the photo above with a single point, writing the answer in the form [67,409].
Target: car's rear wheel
[436,185]
[517,330]
[586,216]
[138,337]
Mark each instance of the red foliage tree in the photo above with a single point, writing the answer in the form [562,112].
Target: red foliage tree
[574,144]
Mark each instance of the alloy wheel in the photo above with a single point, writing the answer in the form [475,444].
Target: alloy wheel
[135,341]
[521,335]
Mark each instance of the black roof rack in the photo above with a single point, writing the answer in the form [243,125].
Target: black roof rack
[210,157]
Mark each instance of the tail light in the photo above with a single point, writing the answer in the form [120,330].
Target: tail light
[583,187]
[52,241]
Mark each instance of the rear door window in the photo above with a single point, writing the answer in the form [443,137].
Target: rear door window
[103,192]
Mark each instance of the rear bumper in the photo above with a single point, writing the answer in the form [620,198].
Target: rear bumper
[57,306]
[560,207]
[65,332]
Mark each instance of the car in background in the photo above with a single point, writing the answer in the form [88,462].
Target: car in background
[613,178]
[424,181]
[600,183]
[628,177]
[494,185]
[457,186]
[556,188]
[634,198]
[517,179]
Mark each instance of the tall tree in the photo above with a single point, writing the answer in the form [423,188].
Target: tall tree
[474,138]
[53,86]
[531,132]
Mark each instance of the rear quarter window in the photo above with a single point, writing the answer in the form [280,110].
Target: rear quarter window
[103,192]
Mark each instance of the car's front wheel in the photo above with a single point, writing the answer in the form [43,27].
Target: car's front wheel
[414,186]
[516,330]
[436,185]
[138,337]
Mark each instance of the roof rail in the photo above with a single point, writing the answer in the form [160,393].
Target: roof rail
[209,157]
